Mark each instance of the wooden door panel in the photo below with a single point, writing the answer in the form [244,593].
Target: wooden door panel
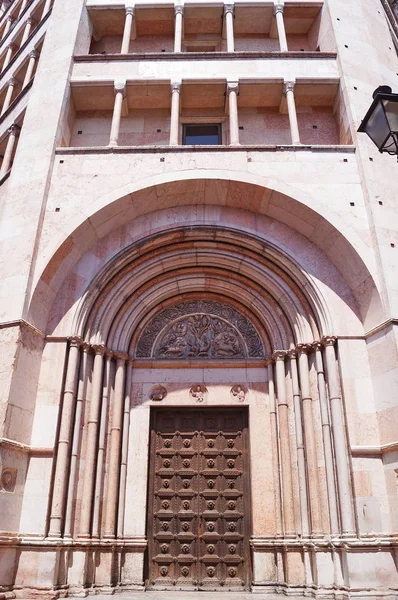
[198,516]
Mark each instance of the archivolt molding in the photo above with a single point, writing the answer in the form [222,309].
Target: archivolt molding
[236,267]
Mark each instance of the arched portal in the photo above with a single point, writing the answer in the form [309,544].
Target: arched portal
[194,334]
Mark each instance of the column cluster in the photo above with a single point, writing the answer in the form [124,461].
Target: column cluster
[290,371]
[13,134]
[106,440]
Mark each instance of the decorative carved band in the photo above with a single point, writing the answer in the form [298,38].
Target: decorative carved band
[200,329]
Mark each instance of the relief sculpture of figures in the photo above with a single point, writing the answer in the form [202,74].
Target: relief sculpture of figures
[158,393]
[239,392]
[199,329]
[200,336]
[198,392]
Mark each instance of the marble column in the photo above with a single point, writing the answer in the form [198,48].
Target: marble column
[91,443]
[76,440]
[339,438]
[275,450]
[8,56]
[24,4]
[291,107]
[102,437]
[115,439]
[13,133]
[120,94]
[129,29]
[310,440]
[65,439]
[232,92]
[178,28]
[27,31]
[229,26]
[175,113]
[280,23]
[287,484]
[302,477]
[9,22]
[11,85]
[47,6]
[125,448]
[327,441]
[31,66]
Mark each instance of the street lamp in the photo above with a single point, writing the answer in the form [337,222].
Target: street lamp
[381,121]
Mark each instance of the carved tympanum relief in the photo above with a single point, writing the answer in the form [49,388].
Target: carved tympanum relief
[238,392]
[200,329]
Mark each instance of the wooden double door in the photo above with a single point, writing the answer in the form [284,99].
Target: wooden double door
[198,522]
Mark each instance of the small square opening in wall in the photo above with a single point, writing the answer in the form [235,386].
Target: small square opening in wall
[57,209]
[79,132]
[315,127]
[381,202]
[352,203]
[158,131]
[61,162]
[392,245]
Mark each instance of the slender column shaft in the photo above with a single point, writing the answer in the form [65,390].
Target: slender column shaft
[7,27]
[91,444]
[175,113]
[287,486]
[27,30]
[229,26]
[310,442]
[340,445]
[280,23]
[232,91]
[125,447]
[29,71]
[128,26]
[99,476]
[23,6]
[120,93]
[8,56]
[47,6]
[7,100]
[327,442]
[7,158]
[300,444]
[65,439]
[115,447]
[275,449]
[178,27]
[80,401]
[291,107]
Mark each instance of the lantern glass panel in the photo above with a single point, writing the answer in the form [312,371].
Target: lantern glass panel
[377,127]
[391,109]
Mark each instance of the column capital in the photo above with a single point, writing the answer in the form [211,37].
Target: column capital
[130,10]
[99,349]
[120,87]
[75,340]
[288,86]
[34,54]
[11,47]
[279,355]
[122,356]
[86,347]
[232,86]
[317,346]
[14,130]
[30,21]
[278,8]
[10,19]
[176,87]
[303,348]
[292,354]
[229,8]
[329,340]
[179,9]
[12,81]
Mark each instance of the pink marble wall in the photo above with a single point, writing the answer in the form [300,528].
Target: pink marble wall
[140,128]
[256,43]
[150,43]
[317,125]
[263,126]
